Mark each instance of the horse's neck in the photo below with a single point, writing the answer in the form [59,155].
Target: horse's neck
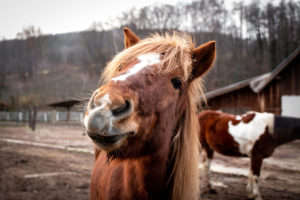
[152,173]
[131,178]
[156,166]
[286,129]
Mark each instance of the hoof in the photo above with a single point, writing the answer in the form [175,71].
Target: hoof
[208,191]
[254,198]
[213,191]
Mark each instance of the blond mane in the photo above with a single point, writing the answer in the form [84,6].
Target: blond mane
[177,49]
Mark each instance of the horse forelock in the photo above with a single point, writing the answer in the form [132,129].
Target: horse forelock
[176,50]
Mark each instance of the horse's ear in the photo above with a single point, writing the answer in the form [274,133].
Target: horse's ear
[203,58]
[130,38]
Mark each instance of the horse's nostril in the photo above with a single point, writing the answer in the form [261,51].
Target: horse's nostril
[92,103]
[121,109]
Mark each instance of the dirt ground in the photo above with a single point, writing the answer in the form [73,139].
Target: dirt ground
[29,171]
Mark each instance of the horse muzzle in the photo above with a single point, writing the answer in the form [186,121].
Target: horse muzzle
[108,143]
[108,120]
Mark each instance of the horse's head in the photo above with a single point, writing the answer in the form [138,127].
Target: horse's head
[145,93]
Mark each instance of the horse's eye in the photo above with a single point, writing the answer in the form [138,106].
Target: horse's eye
[176,82]
[120,68]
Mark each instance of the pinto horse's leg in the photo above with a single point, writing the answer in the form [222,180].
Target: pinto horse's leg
[209,153]
[252,187]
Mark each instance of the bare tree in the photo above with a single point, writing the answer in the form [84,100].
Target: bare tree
[32,35]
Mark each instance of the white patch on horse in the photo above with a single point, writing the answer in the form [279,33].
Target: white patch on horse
[86,120]
[246,134]
[206,166]
[252,187]
[145,60]
[238,117]
[103,101]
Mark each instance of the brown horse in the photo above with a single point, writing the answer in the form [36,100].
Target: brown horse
[143,119]
[254,135]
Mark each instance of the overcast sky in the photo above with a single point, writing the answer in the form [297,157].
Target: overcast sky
[60,16]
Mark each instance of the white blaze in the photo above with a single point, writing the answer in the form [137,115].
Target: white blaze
[246,134]
[145,60]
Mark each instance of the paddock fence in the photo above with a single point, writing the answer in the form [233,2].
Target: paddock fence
[43,116]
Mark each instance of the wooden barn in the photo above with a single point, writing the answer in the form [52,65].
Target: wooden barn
[65,105]
[276,92]
[4,106]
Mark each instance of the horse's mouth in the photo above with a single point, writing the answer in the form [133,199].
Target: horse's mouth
[108,142]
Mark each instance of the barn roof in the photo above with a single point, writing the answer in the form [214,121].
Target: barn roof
[257,83]
[66,104]
[3,104]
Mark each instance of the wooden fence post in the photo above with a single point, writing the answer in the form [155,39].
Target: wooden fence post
[34,117]
[30,117]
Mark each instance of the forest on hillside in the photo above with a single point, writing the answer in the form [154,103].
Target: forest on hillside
[252,38]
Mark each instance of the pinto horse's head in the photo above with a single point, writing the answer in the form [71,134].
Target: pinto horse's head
[146,89]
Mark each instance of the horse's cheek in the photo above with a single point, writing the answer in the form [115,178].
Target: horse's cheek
[146,124]
[165,104]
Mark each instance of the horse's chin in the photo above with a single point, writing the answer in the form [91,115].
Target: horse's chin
[109,142]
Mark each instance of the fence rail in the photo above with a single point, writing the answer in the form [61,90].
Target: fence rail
[47,116]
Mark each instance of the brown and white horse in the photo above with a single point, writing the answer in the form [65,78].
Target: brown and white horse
[143,120]
[254,135]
